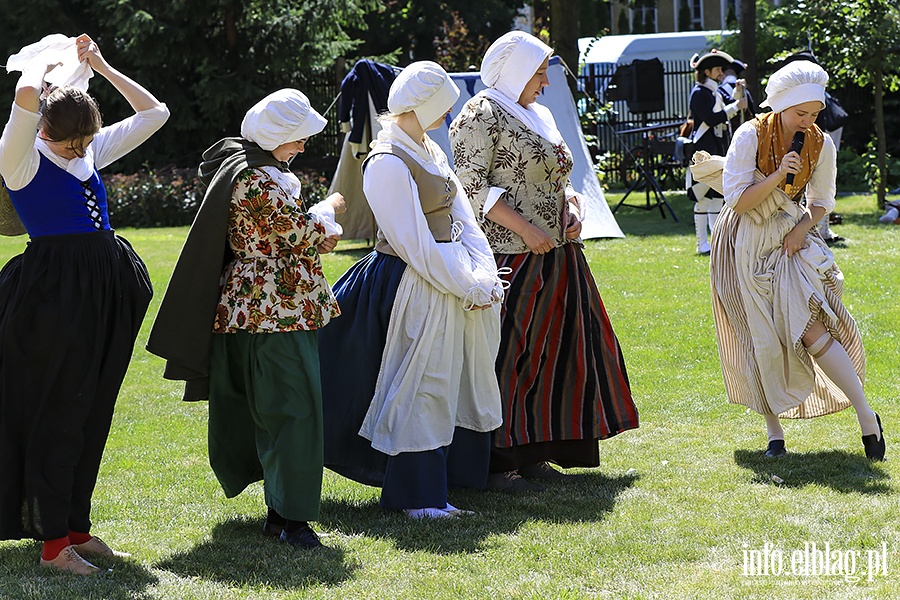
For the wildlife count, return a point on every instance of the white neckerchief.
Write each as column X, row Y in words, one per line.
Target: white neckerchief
column 80, row 167
column 536, row 117
column 712, row 85
column 433, row 160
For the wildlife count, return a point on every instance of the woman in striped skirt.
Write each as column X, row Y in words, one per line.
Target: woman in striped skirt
column 787, row 344
column 561, row 371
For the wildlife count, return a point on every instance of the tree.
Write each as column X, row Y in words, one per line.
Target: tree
column 624, row 25
column 748, row 45
column 858, row 42
column 428, row 29
column 685, row 22
column 564, row 27
column 209, row 60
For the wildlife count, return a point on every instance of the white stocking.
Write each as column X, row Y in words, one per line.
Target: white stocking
column 773, row 427
column 839, row 368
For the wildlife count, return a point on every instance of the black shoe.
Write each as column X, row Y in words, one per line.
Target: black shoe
column 835, row 239
column 272, row 529
column 874, row 447
column 776, row 449
column 512, row 483
column 304, row 537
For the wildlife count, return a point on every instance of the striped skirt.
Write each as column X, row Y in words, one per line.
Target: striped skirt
column 763, row 304
column 560, row 368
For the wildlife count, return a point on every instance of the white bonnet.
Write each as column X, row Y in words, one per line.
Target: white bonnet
column 511, row 61
column 425, row 88
column 795, row 83
column 281, row 117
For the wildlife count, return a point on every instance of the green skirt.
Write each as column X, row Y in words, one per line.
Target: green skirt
column 265, row 418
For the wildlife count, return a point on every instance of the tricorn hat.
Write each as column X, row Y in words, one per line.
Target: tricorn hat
column 713, row 58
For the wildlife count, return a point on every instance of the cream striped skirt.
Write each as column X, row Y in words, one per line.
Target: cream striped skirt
column 763, row 304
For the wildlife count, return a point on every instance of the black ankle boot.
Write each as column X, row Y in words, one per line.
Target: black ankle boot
column 874, row 447
column 776, row 449
column 274, row 524
column 300, row 535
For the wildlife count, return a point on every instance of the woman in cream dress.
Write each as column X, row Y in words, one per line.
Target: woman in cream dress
column 407, row 371
column 787, row 344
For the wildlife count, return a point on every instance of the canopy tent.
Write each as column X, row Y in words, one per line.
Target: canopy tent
column 598, row 219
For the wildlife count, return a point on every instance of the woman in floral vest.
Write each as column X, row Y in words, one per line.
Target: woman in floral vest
column 243, row 333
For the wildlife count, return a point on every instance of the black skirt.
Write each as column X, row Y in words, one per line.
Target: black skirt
column 71, row 307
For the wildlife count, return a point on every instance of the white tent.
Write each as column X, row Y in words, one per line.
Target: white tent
column 598, row 219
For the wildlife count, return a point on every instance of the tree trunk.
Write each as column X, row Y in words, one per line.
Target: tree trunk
column 748, row 47
column 881, row 185
column 564, row 34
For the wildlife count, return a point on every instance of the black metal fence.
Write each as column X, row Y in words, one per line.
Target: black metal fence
column 619, row 138
column 322, row 86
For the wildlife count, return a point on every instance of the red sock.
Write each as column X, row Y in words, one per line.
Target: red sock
column 79, row 538
column 52, row 548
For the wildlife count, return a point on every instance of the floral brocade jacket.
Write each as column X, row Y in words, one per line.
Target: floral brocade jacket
column 275, row 281
column 494, row 149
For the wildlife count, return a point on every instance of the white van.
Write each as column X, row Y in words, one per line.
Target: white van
column 604, row 53
column 622, row 49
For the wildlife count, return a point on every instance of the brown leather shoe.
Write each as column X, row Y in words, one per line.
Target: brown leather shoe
column 70, row 560
column 98, row 547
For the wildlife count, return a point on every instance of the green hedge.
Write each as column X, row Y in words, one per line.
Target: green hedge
column 170, row 197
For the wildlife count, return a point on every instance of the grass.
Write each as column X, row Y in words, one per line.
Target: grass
column 671, row 513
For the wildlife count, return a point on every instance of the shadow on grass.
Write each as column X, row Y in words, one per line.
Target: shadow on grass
column 22, row 577
column 635, row 220
column 836, row 469
column 239, row 554
column 589, row 499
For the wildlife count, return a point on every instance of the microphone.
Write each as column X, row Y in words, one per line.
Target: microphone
column 796, row 146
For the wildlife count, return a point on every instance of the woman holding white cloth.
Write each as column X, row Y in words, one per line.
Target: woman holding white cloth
column 787, row 344
column 408, row 368
column 72, row 303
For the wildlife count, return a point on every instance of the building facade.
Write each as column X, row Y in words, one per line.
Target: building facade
column 660, row 16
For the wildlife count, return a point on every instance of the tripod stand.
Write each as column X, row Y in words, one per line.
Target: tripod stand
column 644, row 165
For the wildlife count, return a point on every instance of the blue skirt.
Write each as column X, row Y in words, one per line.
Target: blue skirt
column 350, row 351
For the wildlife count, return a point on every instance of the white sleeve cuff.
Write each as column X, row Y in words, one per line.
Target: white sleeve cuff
column 324, row 212
column 493, row 195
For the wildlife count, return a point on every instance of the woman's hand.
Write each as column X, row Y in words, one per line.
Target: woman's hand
column 329, row 244
column 89, row 51
column 537, row 239
column 336, row 200
column 790, row 163
column 795, row 240
column 573, row 225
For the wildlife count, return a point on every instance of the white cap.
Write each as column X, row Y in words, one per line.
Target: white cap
column 511, row 61
column 795, row 83
column 281, row 117
column 425, row 88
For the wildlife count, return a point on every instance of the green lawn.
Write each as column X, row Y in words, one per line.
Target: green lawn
column 673, row 512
